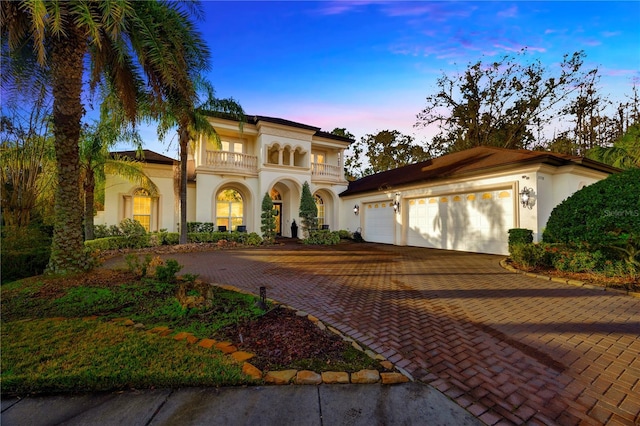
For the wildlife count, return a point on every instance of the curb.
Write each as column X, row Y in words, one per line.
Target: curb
column 576, row 283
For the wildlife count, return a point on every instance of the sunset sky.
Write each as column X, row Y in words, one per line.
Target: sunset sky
column 368, row 66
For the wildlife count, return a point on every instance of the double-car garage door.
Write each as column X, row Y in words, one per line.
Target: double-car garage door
column 476, row 221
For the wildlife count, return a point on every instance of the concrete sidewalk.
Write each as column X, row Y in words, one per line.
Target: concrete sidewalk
column 406, row 404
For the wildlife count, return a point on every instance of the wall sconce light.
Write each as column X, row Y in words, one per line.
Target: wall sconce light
column 356, row 209
column 526, row 197
column 396, row 203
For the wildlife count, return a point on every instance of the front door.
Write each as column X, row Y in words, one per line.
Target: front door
column 278, row 209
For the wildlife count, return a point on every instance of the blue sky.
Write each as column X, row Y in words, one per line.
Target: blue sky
column 368, row 66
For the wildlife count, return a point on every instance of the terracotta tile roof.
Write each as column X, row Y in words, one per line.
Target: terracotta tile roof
column 467, row 162
column 148, row 156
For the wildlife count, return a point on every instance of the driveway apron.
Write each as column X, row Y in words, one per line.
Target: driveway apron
column 511, row 349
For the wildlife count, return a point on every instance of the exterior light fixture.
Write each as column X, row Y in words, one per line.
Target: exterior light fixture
column 356, row 210
column 526, row 197
column 396, row 203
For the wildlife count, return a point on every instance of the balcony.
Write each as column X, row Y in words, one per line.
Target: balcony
column 326, row 172
column 224, row 161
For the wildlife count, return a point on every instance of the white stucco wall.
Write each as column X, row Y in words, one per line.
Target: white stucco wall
column 550, row 186
column 116, row 188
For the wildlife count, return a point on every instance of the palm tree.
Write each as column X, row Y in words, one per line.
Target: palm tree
column 190, row 116
column 129, row 43
column 96, row 161
column 624, row 153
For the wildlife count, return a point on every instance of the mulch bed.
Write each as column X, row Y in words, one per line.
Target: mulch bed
column 281, row 337
column 620, row 283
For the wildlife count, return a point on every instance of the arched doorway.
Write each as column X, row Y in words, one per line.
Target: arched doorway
column 321, row 210
column 277, row 206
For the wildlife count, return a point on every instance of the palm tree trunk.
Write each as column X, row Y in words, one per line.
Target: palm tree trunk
column 89, row 198
column 67, row 248
column 183, row 135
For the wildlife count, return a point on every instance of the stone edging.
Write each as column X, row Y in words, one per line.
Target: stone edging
column 576, row 283
column 284, row 377
column 306, row 377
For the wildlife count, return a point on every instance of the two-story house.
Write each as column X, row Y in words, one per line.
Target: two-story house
column 228, row 180
column 466, row 200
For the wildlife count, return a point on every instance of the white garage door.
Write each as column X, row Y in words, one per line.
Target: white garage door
column 475, row 222
column 379, row 222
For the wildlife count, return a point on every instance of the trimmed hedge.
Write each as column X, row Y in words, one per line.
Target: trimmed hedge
column 520, row 236
column 171, row 238
column 323, row 237
column 606, row 213
column 25, row 252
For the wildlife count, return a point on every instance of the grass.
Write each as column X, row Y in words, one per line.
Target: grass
column 47, row 346
column 48, row 355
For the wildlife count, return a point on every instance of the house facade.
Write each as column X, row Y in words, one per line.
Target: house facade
column 467, row 200
column 228, row 180
column 464, row 201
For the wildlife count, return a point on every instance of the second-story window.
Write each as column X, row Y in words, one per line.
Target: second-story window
column 232, row 147
column 317, row 157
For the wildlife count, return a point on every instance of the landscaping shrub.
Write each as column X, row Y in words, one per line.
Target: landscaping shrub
column 530, row 255
column 606, row 213
column 323, row 237
column 106, row 243
column 135, row 235
column 167, row 273
column 344, row 234
column 25, row 251
column 580, row 260
column 253, row 239
column 520, row 236
column 201, row 227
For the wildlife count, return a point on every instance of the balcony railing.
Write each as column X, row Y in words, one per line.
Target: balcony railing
column 324, row 171
column 232, row 161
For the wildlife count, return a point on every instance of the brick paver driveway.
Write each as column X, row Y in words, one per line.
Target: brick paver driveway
column 509, row 348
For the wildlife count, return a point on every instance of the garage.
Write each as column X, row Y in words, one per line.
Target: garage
column 475, row 221
column 379, row 222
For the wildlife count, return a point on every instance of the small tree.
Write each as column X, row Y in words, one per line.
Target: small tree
column 308, row 210
column 268, row 219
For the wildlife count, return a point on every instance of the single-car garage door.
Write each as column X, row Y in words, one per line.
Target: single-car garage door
column 379, row 222
column 476, row 221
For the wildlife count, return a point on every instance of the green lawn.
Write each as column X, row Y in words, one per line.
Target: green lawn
column 49, row 343
column 48, row 346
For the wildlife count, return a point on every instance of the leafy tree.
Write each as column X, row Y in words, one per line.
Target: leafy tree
column 308, row 210
column 128, row 43
column 342, row 131
column 268, row 219
column 386, row 150
column 27, row 156
column 499, row 104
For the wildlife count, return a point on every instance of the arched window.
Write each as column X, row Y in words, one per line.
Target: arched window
column 229, row 209
column 142, row 208
column 320, row 206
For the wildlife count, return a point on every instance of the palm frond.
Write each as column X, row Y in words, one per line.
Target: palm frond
column 132, row 171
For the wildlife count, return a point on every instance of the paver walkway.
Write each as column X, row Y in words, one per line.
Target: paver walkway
column 509, row 348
